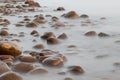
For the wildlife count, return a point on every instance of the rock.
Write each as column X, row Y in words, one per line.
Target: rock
column 52, row 40
column 84, row 16
column 38, row 46
column 68, row 78
column 71, row 14
column 39, row 20
column 35, row 33
column 47, row 35
column 4, row 57
column 31, row 24
column 60, row 9
column 58, row 24
column 19, row 24
column 101, row 34
column 4, row 33
column 54, row 18
column 11, row 76
column 91, row 33
column 54, row 60
column 38, row 71
column 32, row 3
column 9, row 48
column 62, row 36
column 23, row 67
column 72, row 46
column 76, row 69
column 3, row 67
column 28, row 59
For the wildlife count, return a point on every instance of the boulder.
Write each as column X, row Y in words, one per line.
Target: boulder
column 9, row 48
column 4, row 33
column 3, row 67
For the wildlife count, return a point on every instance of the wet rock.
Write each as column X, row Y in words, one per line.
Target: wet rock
column 3, row 67
column 11, row 76
column 54, row 60
column 31, row 24
column 9, row 48
column 32, row 3
column 58, row 24
column 39, row 20
column 76, row 69
column 84, row 16
column 4, row 33
column 28, row 59
column 19, row 24
column 68, row 78
column 23, row 67
column 4, row 57
column 91, row 33
column 38, row 71
column 101, row 34
column 47, row 35
column 35, row 33
column 62, row 36
column 52, row 40
column 54, row 18
column 72, row 46
column 60, row 9
column 71, row 14
column 38, row 46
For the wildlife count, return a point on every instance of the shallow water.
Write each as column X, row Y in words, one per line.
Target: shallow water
column 88, row 48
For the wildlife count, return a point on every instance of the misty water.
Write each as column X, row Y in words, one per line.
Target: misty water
column 89, row 50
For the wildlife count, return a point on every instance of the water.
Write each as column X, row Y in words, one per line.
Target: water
column 88, row 48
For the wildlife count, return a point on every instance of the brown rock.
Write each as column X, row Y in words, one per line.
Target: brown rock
column 38, row 71
column 54, row 18
column 32, row 24
column 58, row 24
column 19, row 24
column 68, row 78
column 4, row 32
column 28, row 59
column 35, row 33
column 52, row 40
column 38, row 46
column 3, row 67
column 23, row 67
column 11, row 76
column 32, row 3
column 91, row 33
column 62, row 36
column 9, row 48
column 76, row 69
column 47, row 35
column 71, row 14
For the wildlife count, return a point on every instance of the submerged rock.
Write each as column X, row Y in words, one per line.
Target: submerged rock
column 48, row 35
column 101, row 34
column 60, row 9
column 11, row 76
column 62, row 36
column 23, row 67
column 9, row 48
column 84, row 16
column 3, row 67
column 52, row 40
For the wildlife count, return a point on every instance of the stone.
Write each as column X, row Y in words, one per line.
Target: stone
column 23, row 67
column 54, row 18
column 52, row 40
column 32, row 3
column 47, row 35
column 60, row 9
column 3, row 67
column 28, row 59
column 4, row 33
column 38, row 71
column 84, row 16
column 34, row 32
column 71, row 14
column 91, row 33
column 68, row 78
column 62, row 36
column 31, row 24
column 38, row 46
column 58, row 24
column 76, row 69
column 101, row 34
column 9, row 48
column 11, row 76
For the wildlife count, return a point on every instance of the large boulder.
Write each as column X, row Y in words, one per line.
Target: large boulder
column 9, row 48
